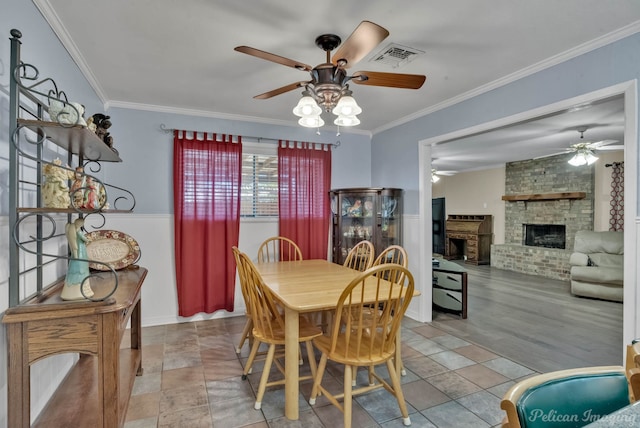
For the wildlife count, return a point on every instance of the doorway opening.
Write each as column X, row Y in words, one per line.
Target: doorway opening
column 628, row 92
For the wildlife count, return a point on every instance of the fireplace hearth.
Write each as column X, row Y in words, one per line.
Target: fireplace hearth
column 544, row 235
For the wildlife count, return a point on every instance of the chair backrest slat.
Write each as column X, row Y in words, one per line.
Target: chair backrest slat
column 361, row 256
column 278, row 249
column 393, row 254
column 368, row 332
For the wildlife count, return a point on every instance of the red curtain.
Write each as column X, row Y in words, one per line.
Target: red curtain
column 304, row 171
column 206, row 194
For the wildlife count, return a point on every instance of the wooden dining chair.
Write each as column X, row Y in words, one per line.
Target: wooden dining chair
column 269, row 326
column 274, row 249
column 361, row 256
column 632, row 369
column 398, row 255
column 366, row 341
column 278, row 249
column 392, row 254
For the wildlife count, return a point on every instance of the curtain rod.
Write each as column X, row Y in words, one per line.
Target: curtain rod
column 607, row 165
column 163, row 128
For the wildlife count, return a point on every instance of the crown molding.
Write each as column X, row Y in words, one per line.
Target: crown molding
column 218, row 115
column 582, row 49
column 55, row 23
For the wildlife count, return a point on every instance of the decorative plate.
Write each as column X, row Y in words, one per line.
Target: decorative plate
column 114, row 248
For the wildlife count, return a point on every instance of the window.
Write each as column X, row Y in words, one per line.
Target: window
column 259, row 190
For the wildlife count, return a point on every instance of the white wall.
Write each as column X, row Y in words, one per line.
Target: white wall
column 154, row 234
column 476, row 192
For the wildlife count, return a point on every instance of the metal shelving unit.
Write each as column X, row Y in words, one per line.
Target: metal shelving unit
column 39, row 323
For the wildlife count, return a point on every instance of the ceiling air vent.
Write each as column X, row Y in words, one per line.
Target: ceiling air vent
column 395, row 55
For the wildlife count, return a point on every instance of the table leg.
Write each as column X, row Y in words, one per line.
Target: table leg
column 291, row 363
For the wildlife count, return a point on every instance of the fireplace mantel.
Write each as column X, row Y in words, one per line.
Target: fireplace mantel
column 544, row 196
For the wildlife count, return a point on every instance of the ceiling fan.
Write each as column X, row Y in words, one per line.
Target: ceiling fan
column 584, row 151
column 328, row 87
column 436, row 174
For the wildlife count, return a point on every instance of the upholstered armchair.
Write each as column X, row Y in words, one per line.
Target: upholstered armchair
column 597, row 268
column 566, row 398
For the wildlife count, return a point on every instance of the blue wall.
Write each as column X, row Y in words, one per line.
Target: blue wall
column 147, row 152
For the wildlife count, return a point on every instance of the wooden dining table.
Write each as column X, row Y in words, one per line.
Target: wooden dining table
column 301, row 287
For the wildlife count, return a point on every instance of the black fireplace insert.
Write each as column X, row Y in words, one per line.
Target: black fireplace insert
column 545, row 235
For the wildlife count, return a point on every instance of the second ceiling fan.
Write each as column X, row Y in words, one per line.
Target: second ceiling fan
column 584, row 151
column 328, row 86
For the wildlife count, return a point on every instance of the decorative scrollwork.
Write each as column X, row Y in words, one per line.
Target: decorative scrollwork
column 102, row 275
column 15, row 138
column 66, row 113
column 126, row 198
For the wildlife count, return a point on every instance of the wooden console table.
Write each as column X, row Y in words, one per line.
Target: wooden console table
column 96, row 391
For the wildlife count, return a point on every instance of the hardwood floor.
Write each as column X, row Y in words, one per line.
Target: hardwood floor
column 536, row 321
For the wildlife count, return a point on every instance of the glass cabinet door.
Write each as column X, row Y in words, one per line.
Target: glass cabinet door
column 356, row 221
column 390, row 219
column 372, row 214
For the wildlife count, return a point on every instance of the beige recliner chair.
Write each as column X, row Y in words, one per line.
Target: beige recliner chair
column 597, row 268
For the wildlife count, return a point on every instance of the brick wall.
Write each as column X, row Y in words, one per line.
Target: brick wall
column 546, row 175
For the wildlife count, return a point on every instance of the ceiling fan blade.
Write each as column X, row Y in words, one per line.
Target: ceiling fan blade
column 610, row 148
column 364, row 38
column 273, row 58
column 392, row 80
column 282, row 90
column 553, row 154
column 598, row 145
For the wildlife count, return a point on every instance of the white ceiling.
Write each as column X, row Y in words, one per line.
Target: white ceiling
column 172, row 55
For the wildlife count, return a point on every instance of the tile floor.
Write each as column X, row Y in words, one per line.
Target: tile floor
column 192, row 379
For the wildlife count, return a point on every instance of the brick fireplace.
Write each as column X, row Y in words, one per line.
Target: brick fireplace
column 549, row 195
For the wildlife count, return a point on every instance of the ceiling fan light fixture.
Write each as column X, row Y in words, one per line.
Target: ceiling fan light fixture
column 583, row 157
column 311, row 121
column 347, row 106
column 591, row 158
column 347, row 121
column 434, row 176
column 331, row 98
column 307, row 107
column 577, row 160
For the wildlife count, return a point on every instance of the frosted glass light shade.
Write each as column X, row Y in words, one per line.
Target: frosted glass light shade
column 591, row 159
column 307, row 107
column 311, row 121
column 346, row 106
column 583, row 158
column 577, row 160
column 347, row 121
